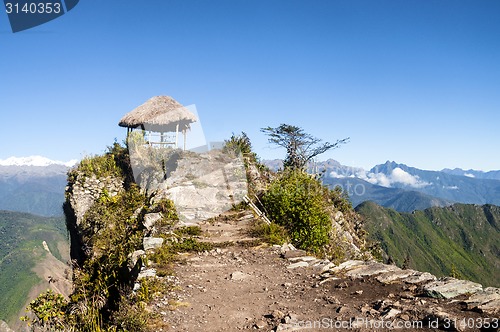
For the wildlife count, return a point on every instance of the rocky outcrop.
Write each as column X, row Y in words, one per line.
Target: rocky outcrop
column 346, row 236
column 275, row 288
column 84, row 191
column 203, row 186
column 487, row 300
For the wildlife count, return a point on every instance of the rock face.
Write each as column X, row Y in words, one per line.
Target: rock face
column 450, row 287
column 205, row 185
column 86, row 190
column 152, row 242
column 345, row 230
column 81, row 193
column 201, row 185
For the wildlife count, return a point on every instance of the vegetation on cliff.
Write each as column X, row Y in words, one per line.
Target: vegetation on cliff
column 301, row 208
column 108, row 233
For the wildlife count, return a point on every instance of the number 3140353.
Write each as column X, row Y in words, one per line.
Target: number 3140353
column 33, row 8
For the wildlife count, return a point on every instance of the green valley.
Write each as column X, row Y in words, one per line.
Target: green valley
column 462, row 240
column 21, row 238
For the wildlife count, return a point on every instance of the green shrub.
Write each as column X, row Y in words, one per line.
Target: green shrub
column 192, row 245
column 110, row 232
column 272, row 233
column 340, row 199
column 188, row 231
column 132, row 316
column 49, row 309
column 238, row 144
column 100, row 166
column 297, row 201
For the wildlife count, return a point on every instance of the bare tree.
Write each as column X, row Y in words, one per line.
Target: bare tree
column 300, row 147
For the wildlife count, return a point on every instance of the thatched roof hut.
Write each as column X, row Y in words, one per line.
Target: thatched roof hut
column 160, row 114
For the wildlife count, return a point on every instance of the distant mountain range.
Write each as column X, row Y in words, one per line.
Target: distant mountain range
column 493, row 175
column 461, row 240
column 33, row 184
column 405, row 188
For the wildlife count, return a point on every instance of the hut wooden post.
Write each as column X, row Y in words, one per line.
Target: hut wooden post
column 184, row 134
column 177, row 135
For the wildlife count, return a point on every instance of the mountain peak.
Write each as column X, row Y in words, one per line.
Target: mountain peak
column 35, row 161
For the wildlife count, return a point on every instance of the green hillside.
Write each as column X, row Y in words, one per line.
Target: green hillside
column 461, row 240
column 21, row 237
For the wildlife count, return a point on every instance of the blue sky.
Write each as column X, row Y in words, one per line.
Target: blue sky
column 417, row 82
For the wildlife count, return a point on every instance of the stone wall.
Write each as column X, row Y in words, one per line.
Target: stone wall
column 81, row 193
column 84, row 191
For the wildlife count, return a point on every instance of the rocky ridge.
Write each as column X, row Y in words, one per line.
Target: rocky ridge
column 280, row 288
column 241, row 286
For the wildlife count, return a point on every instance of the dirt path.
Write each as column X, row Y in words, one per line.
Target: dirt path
column 273, row 288
column 242, row 289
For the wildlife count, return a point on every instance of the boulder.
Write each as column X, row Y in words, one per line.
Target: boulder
column 238, row 276
column 297, row 265
column 360, row 269
column 487, row 301
column 447, row 288
column 147, row 273
column 152, row 242
column 151, row 219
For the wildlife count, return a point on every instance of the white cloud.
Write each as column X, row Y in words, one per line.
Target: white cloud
column 400, row 176
column 35, row 161
column 469, row 175
column 377, row 178
column 397, row 175
column 336, row 175
column 450, row 187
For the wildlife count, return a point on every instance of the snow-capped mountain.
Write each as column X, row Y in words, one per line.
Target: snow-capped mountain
column 35, row 161
column 33, row 184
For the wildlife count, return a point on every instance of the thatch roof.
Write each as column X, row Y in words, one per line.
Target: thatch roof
column 160, row 114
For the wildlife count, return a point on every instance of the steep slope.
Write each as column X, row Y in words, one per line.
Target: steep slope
column 23, row 256
column 460, row 239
